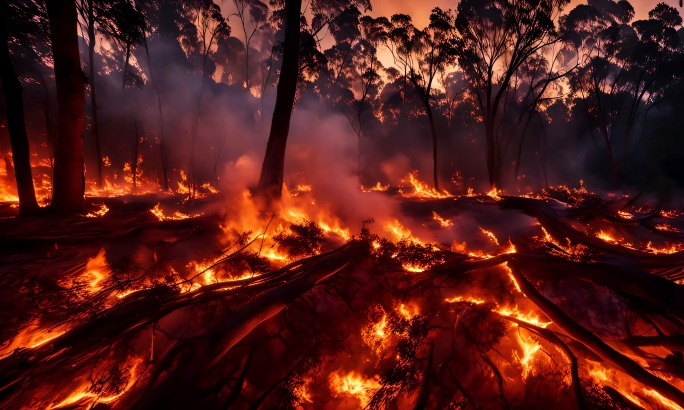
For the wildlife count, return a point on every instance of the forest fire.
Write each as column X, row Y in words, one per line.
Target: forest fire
column 286, row 205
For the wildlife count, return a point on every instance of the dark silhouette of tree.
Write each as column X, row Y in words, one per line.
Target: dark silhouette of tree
column 69, row 178
column 271, row 178
column 15, row 122
column 210, row 26
column 496, row 37
column 121, row 21
column 256, row 13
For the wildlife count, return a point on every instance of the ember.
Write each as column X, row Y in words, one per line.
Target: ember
column 341, row 205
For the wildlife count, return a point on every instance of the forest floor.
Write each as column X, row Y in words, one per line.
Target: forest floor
column 565, row 300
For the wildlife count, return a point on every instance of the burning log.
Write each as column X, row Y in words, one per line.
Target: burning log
column 594, row 343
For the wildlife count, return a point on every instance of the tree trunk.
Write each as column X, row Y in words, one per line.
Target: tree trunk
column 93, row 95
column 16, row 126
column 493, row 165
column 68, row 178
column 433, row 131
column 271, row 179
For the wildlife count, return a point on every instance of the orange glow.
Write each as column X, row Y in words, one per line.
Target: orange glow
column 96, row 271
column 100, row 212
column 353, row 385
column 378, row 187
column 490, row 235
column 82, row 392
column 412, row 187
column 177, row 215
column 444, row 223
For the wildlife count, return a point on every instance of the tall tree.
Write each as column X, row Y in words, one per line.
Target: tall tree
column 421, row 55
column 68, row 179
column 495, row 38
column 16, row 124
column 271, row 179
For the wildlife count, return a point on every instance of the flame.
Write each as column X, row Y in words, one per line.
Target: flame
column 378, row 187
column 669, row 248
column 606, row 237
column 444, row 223
column 469, row 299
column 666, row 228
column 408, row 311
column 31, row 336
column 494, row 194
column 490, row 235
column 83, row 393
column 529, row 349
column 177, row 215
column 529, row 317
column 419, row 189
column 100, row 212
column 354, row 385
column 96, row 271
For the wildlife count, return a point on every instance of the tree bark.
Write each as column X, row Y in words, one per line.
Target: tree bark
column 68, row 178
column 271, row 179
column 93, row 95
column 16, row 126
column 433, row 132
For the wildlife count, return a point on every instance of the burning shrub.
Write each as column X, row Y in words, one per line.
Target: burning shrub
column 305, row 239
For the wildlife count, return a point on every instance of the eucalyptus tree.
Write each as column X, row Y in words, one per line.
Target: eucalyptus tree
column 325, row 12
column 496, row 37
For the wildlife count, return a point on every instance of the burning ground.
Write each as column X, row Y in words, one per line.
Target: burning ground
column 561, row 300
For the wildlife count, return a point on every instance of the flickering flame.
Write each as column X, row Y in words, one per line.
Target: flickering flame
column 669, row 248
column 100, row 212
column 666, row 228
column 494, row 194
column 83, row 393
column 529, row 349
column 529, row 317
column 412, row 187
column 444, row 223
column 31, row 336
column 408, row 311
column 96, row 271
column 455, row 299
column 606, row 237
column 490, row 235
column 378, row 187
column 176, row 216
column 354, row 385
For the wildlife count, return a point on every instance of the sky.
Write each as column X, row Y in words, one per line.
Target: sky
column 419, row 10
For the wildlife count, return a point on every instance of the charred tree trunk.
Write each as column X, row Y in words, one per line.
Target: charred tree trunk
column 493, row 160
column 433, row 132
column 16, row 126
column 271, row 179
column 68, row 178
column 93, row 94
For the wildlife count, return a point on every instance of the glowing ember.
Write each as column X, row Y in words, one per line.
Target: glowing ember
column 490, row 235
column 378, row 187
column 177, row 215
column 353, row 385
column 472, row 300
column 83, row 394
column 96, row 271
column 100, row 212
column 444, row 223
column 528, row 317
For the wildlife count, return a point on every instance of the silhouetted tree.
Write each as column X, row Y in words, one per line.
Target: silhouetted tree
column 271, row 178
column 69, row 178
column 15, row 123
column 496, row 37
